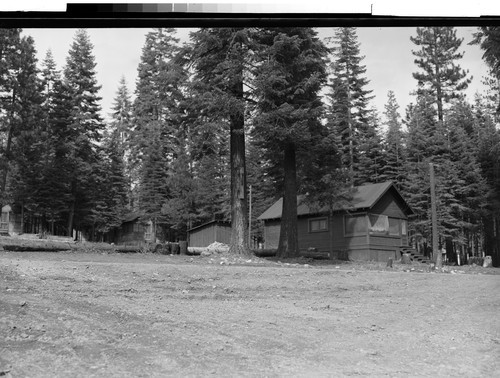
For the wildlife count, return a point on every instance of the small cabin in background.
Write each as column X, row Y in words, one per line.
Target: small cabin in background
column 132, row 231
column 208, row 233
column 372, row 226
column 11, row 222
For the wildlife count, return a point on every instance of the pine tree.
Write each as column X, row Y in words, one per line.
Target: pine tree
column 422, row 143
column 24, row 147
column 488, row 140
column 86, row 121
column 442, row 77
column 55, row 193
column 488, row 37
column 266, row 179
column 472, row 188
column 122, row 114
column 110, row 206
column 288, row 80
column 371, row 154
column 460, row 187
column 121, row 126
column 348, row 112
column 209, row 152
column 9, row 44
column 50, row 75
column 28, row 142
column 394, row 148
column 157, row 119
column 219, row 61
column 487, row 112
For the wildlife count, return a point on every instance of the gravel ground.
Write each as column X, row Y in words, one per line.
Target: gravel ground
column 74, row 314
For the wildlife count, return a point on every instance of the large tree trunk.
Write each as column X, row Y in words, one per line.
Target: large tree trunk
column 288, row 243
column 72, row 209
column 239, row 209
column 7, row 154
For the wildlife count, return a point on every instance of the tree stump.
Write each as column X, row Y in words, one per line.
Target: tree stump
column 488, row 262
column 405, row 258
column 183, row 247
column 175, row 249
column 168, row 248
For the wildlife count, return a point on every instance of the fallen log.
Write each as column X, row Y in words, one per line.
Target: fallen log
column 36, row 248
column 315, row 255
column 127, row 249
column 264, row 252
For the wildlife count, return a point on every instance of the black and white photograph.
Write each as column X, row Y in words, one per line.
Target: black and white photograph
column 188, row 194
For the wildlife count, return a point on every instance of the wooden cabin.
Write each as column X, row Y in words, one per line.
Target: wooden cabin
column 208, row 233
column 10, row 223
column 372, row 226
column 132, row 231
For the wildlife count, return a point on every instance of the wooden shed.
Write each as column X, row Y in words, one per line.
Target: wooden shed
column 132, row 231
column 10, row 223
column 208, row 233
column 373, row 226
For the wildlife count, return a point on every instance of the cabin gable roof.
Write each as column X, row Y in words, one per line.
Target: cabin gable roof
column 364, row 197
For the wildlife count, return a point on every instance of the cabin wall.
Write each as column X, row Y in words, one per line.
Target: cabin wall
column 15, row 226
column 363, row 246
column 372, row 253
column 223, row 234
column 11, row 223
column 131, row 233
column 204, row 236
column 388, row 205
column 272, row 234
column 319, row 239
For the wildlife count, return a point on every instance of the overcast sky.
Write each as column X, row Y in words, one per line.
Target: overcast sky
column 387, row 52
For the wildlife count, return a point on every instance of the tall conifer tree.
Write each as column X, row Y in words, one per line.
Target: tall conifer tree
column 85, row 120
column 122, row 126
column 394, row 147
column 219, row 59
column 288, row 80
column 348, row 111
column 442, row 77
column 156, row 122
column 28, row 139
column 9, row 44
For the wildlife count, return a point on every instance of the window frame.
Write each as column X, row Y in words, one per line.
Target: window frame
column 318, row 219
column 378, row 233
column 404, row 227
column 360, row 215
column 399, row 234
column 136, row 227
column 388, row 233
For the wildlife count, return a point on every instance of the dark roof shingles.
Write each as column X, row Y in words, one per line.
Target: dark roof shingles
column 364, row 197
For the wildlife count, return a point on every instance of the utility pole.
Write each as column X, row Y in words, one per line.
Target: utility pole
column 250, row 218
column 435, row 248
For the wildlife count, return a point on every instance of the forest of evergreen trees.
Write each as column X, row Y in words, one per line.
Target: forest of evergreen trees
column 274, row 108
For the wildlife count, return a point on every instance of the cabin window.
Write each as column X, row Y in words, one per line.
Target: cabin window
column 403, row 227
column 4, row 222
column 394, row 227
column 318, row 225
column 355, row 225
column 379, row 224
column 148, row 232
column 136, row 227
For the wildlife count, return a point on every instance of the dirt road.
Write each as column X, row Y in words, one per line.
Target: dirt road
column 118, row 315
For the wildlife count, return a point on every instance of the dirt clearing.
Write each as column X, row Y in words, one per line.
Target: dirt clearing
column 142, row 315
